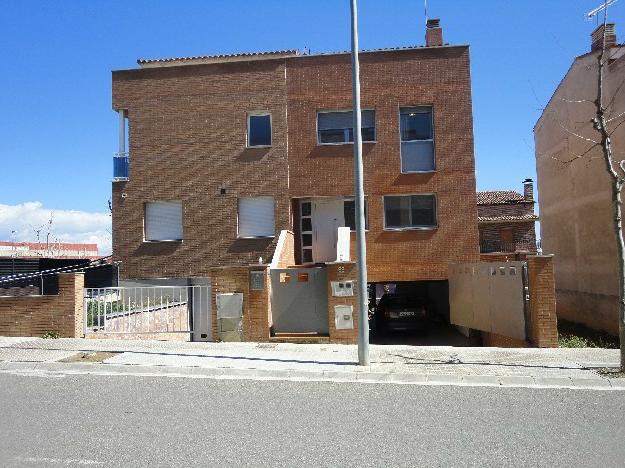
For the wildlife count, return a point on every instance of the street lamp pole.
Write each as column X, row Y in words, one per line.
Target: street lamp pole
column 361, row 249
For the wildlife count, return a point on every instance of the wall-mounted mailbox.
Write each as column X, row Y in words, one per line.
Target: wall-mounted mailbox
column 257, row 279
column 344, row 317
column 342, row 288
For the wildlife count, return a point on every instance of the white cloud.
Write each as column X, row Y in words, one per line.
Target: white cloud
column 67, row 225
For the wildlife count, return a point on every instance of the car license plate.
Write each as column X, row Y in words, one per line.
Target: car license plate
column 406, row 313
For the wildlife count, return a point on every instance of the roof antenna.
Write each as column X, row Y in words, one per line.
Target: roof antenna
column 425, row 5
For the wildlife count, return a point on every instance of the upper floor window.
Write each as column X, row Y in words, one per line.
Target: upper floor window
column 256, row 217
column 410, row 211
column 163, row 221
column 417, row 139
column 338, row 127
column 259, row 129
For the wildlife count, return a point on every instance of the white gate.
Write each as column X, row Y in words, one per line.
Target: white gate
column 162, row 312
column 491, row 297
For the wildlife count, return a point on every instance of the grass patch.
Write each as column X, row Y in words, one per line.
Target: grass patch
column 51, row 335
column 98, row 356
column 612, row 372
column 575, row 335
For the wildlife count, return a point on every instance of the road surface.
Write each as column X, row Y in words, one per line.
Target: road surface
column 122, row 420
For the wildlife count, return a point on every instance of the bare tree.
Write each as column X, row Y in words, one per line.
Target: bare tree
column 616, row 172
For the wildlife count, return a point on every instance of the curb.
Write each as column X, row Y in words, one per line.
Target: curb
column 56, row 370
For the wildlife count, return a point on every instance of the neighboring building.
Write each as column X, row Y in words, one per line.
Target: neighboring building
column 507, row 221
column 48, row 250
column 575, row 190
column 226, row 152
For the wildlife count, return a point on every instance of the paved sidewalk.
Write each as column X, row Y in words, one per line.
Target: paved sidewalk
column 568, row 368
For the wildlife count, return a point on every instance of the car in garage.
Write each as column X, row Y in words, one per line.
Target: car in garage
column 399, row 312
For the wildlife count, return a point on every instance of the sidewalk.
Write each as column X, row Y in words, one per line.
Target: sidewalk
column 523, row 367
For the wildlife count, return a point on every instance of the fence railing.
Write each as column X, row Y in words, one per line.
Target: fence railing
column 147, row 309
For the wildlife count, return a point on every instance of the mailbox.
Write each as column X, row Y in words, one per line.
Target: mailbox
column 344, row 317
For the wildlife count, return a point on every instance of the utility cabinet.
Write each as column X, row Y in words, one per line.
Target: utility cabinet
column 230, row 316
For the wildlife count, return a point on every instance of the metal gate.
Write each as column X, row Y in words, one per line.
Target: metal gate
column 172, row 312
column 299, row 300
column 491, row 297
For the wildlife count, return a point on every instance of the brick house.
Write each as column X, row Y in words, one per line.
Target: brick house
column 228, row 162
column 506, row 220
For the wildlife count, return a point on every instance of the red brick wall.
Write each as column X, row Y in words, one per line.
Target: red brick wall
column 37, row 315
column 437, row 77
column 187, row 133
column 543, row 317
column 256, row 303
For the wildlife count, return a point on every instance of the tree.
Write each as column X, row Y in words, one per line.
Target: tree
column 616, row 172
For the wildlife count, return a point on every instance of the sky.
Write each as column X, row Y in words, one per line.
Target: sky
column 58, row 132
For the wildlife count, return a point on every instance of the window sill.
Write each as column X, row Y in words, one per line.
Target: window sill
column 154, row 241
column 257, row 237
column 345, row 143
column 258, row 146
column 416, row 228
column 419, row 172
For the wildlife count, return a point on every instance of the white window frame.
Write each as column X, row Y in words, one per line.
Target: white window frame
column 273, row 201
column 375, row 127
column 411, row 228
column 401, row 162
column 145, row 206
column 247, row 133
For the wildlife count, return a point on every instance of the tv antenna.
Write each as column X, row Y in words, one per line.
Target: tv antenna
column 603, row 7
column 425, row 7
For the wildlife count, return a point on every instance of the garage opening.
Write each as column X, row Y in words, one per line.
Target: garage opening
column 414, row 313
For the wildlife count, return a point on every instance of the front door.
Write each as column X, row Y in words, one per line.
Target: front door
column 327, row 217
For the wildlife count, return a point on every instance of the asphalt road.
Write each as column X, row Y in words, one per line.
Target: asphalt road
column 88, row 420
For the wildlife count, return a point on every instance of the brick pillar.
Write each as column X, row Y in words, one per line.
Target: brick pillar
column 543, row 319
column 341, row 272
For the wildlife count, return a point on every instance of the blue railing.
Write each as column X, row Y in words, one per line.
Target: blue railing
column 120, row 167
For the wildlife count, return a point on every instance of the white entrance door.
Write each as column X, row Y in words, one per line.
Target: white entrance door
column 327, row 217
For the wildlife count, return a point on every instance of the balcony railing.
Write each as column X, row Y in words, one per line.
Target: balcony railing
column 120, row 167
column 508, row 247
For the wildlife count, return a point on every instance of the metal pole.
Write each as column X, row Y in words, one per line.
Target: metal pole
column 361, row 249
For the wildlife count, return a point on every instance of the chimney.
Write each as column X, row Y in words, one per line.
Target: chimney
column 596, row 37
column 528, row 190
column 433, row 33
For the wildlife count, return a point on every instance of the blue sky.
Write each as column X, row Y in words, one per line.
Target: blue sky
column 58, row 132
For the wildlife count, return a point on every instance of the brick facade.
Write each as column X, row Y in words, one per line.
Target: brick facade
column 187, row 132
column 37, row 315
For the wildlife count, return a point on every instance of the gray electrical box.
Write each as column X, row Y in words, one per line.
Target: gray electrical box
column 342, row 288
column 230, row 316
column 344, row 317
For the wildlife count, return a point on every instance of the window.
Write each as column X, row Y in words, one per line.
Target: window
column 338, row 127
column 417, row 139
column 256, row 217
column 349, row 213
column 306, row 230
column 163, row 221
column 410, row 212
column 258, row 130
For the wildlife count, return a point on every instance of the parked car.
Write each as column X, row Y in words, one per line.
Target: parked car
column 398, row 312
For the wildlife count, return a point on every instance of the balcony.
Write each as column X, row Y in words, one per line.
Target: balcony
column 493, row 246
column 120, row 167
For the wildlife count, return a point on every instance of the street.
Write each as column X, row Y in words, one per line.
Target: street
column 123, row 420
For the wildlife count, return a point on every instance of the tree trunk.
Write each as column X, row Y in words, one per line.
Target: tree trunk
column 618, row 226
